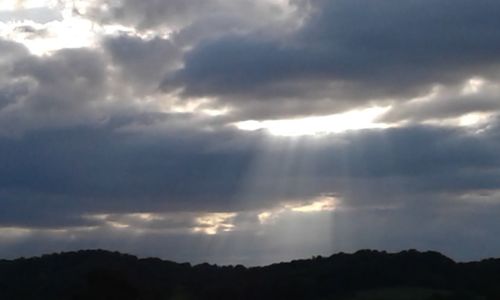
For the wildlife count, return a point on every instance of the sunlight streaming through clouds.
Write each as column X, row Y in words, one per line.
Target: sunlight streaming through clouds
column 337, row 123
column 321, row 204
column 214, row 223
column 324, row 203
column 250, row 129
column 72, row 31
column 473, row 85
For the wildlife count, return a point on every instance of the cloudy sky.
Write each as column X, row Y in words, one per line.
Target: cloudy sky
column 249, row 131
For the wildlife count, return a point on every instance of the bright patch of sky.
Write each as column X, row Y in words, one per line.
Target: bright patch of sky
column 45, row 26
column 319, row 125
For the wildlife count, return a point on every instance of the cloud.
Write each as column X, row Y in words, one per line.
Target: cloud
column 461, row 233
column 38, row 14
column 11, row 51
column 52, row 90
column 31, row 32
column 104, row 170
column 142, row 62
column 129, row 144
column 176, row 14
column 443, row 102
column 350, row 52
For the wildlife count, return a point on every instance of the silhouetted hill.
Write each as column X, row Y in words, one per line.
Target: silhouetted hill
column 97, row 274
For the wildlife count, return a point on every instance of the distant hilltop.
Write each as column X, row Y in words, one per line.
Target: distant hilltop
column 364, row 275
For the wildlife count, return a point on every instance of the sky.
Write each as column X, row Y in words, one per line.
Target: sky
column 249, row 131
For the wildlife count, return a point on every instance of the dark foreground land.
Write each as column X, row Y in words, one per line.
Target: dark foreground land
column 364, row 275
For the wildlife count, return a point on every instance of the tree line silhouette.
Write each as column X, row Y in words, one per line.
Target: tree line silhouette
column 104, row 275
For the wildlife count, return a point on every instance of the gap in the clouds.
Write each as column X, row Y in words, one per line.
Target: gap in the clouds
column 319, row 125
column 194, row 223
column 323, row 203
column 476, row 121
column 210, row 223
column 201, row 106
column 67, row 26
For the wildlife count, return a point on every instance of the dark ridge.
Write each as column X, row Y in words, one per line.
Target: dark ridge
column 364, row 275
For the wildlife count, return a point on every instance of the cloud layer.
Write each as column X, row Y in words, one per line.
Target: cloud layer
column 129, row 142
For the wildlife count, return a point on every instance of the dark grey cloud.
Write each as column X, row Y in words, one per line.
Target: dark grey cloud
column 357, row 50
column 176, row 14
column 10, row 91
column 341, row 57
column 107, row 170
column 11, row 51
column 67, row 87
column 420, row 187
column 186, row 23
column 143, row 62
column 447, row 102
column 149, row 14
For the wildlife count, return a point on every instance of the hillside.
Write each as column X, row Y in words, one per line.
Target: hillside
column 364, row 275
